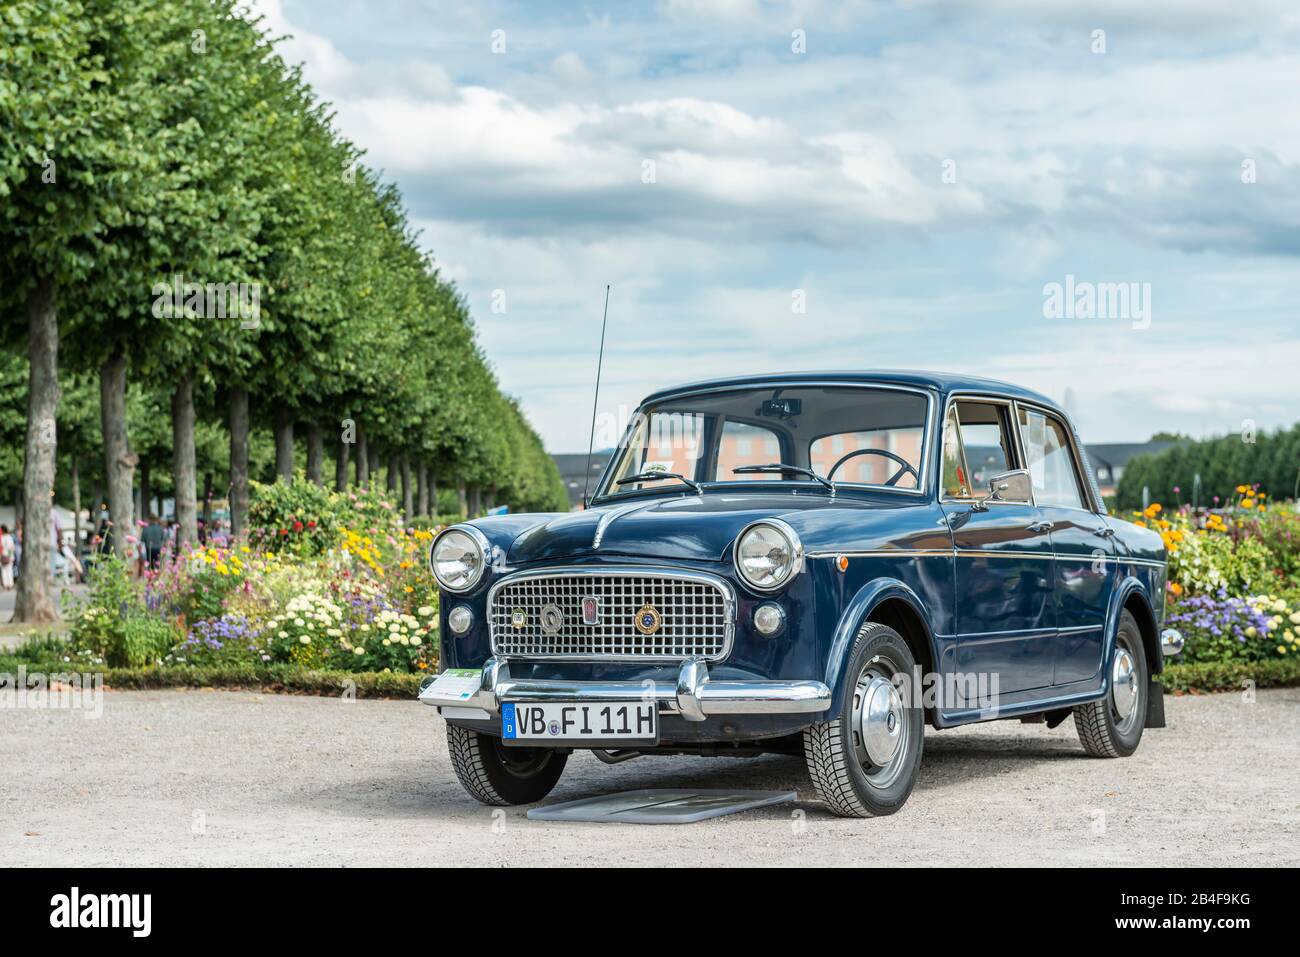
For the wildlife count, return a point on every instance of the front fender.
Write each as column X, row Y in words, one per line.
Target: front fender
column 859, row 608
column 1146, row 621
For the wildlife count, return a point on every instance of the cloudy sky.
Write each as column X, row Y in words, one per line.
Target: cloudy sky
column 911, row 175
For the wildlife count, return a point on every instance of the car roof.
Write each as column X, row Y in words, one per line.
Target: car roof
column 940, row 381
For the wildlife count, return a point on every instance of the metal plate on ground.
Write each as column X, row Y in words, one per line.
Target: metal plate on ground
column 659, row 806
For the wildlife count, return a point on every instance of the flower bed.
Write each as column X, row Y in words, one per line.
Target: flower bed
column 1232, row 589
column 329, row 581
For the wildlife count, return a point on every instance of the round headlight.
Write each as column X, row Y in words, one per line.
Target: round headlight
column 458, row 558
column 768, row 554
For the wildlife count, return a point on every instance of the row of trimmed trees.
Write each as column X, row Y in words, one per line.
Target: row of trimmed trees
column 184, row 232
column 1269, row 459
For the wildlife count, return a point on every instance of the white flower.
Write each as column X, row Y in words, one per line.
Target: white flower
column 333, row 632
column 299, row 622
column 425, row 610
column 305, row 639
column 284, row 634
column 358, row 650
column 386, row 642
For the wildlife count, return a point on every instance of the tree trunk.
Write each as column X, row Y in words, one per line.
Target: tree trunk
column 283, row 442
column 391, row 474
column 315, row 453
column 34, row 601
column 145, row 504
column 408, row 500
column 96, row 500
column 341, row 466
column 75, row 475
column 464, row 501
column 206, row 513
column 119, row 461
column 238, row 462
column 422, row 488
column 363, row 459
column 475, row 502
column 184, row 478
column 374, row 463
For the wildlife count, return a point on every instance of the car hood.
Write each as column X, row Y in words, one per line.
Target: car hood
column 690, row 528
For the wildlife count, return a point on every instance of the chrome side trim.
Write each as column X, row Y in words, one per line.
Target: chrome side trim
column 979, row 553
column 1171, row 642
column 694, row 695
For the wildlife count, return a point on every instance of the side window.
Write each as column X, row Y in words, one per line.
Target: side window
column 977, row 445
column 1051, row 465
column 743, row 444
column 956, row 480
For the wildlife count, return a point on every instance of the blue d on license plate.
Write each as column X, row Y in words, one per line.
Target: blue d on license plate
column 564, row 721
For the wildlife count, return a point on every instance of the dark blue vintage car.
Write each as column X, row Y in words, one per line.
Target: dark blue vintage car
column 814, row 564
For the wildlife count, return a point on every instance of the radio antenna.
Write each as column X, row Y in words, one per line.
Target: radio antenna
column 600, row 361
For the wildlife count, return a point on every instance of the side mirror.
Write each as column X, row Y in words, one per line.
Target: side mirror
column 1013, row 486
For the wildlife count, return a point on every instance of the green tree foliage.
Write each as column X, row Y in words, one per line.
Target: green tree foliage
column 1272, row 460
column 142, row 141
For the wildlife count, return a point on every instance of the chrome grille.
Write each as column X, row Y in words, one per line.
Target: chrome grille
column 696, row 616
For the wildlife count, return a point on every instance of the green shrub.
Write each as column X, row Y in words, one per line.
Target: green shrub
column 1210, row 676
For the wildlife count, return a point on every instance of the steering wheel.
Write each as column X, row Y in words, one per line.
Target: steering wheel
column 893, row 479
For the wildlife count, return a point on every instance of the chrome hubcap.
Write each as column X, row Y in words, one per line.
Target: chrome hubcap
column 882, row 720
column 1123, row 684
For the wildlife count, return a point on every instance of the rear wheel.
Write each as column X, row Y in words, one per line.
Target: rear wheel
column 1112, row 727
column 865, row 761
column 498, row 775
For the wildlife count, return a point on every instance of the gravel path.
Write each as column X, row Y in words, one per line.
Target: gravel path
column 235, row 778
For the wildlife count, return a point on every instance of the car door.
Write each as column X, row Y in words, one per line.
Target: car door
column 1082, row 541
column 1005, row 610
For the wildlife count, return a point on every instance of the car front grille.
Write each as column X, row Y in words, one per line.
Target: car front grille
column 541, row 616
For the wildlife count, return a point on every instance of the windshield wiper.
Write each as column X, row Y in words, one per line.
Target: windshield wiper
column 657, row 476
column 783, row 467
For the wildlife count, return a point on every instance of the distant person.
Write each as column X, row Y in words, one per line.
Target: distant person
column 152, row 539
column 203, row 532
column 7, row 558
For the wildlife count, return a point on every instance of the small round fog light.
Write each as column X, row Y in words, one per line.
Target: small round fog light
column 460, row 618
column 768, row 619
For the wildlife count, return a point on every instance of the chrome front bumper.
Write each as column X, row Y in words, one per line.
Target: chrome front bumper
column 1171, row 642
column 694, row 696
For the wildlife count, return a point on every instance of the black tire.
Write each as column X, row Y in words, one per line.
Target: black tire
column 842, row 772
column 1106, row 733
column 501, row 776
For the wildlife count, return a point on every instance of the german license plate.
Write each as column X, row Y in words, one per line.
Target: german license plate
column 563, row 721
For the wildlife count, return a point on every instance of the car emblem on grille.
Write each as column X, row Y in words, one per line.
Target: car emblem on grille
column 519, row 617
column 648, row 619
column 591, row 610
column 552, row 619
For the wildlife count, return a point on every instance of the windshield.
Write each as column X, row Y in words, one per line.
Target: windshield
column 850, row 435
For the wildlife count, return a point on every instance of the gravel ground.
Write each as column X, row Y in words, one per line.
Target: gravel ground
column 235, row 778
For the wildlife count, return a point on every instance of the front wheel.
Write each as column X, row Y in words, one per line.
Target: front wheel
column 1112, row 727
column 498, row 775
column 864, row 762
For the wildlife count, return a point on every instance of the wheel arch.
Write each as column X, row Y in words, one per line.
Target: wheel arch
column 1132, row 596
column 889, row 602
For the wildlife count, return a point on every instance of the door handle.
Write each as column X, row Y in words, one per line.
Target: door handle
column 1041, row 527
column 1105, row 531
